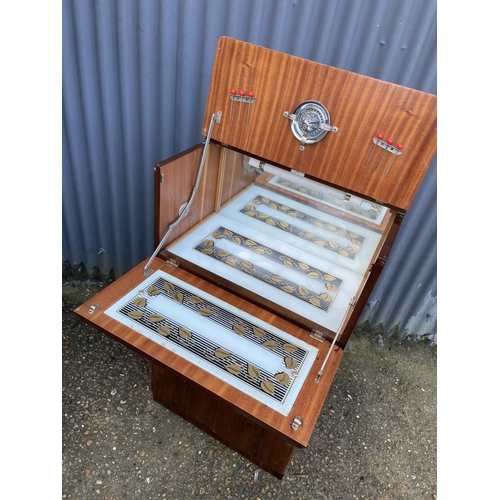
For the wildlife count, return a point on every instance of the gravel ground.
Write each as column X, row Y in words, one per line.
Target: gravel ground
column 375, row 438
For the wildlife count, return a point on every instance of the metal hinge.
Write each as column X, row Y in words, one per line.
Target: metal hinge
column 162, row 177
column 317, row 335
column 297, row 422
column 173, row 264
column 93, row 308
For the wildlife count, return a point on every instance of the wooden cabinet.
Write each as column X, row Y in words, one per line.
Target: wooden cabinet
column 269, row 237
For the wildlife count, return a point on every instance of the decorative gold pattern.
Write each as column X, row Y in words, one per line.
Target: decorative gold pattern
column 184, row 333
column 269, row 344
column 205, row 311
column 233, row 368
column 163, row 330
column 239, row 329
column 352, row 241
column 268, row 386
column 289, row 348
column 135, row 314
column 322, row 300
column 283, row 378
column 221, row 353
column 140, row 302
column 253, row 371
column 156, row 318
column 140, row 310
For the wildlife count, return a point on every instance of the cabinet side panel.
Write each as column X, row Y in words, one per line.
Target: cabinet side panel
column 174, row 182
column 221, row 420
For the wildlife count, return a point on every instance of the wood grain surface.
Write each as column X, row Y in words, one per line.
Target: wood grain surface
column 175, row 179
column 267, row 449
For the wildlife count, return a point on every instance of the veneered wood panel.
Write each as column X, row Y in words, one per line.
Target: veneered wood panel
column 174, row 182
column 221, row 420
column 358, row 105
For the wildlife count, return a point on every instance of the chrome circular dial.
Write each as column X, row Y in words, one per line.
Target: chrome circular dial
column 307, row 127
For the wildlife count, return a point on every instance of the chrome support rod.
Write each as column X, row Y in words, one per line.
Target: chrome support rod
column 216, row 117
column 320, row 373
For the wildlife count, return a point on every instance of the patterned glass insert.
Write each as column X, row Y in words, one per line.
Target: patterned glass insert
column 262, row 361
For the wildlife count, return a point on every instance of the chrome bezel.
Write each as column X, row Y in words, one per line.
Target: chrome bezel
column 305, row 111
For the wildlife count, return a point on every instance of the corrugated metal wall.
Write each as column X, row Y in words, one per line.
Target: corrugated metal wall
column 135, row 83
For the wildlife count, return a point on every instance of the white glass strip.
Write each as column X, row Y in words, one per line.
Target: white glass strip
column 273, row 268
column 223, row 337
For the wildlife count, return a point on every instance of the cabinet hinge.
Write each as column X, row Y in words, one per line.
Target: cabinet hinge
column 296, row 422
column 317, row 335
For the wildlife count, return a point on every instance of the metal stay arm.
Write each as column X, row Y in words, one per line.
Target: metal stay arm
column 216, row 117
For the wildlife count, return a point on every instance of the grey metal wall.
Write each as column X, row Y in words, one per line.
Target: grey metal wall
column 135, row 83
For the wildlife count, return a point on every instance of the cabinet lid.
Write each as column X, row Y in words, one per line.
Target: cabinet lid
column 370, row 137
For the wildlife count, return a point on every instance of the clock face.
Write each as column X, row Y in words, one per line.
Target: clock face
column 310, row 116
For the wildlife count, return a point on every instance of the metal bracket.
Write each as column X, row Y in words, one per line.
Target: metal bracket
column 93, row 308
column 310, row 122
column 317, row 335
column 173, row 264
column 297, row 422
column 329, row 128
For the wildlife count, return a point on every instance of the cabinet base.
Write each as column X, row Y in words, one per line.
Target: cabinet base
column 223, row 421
